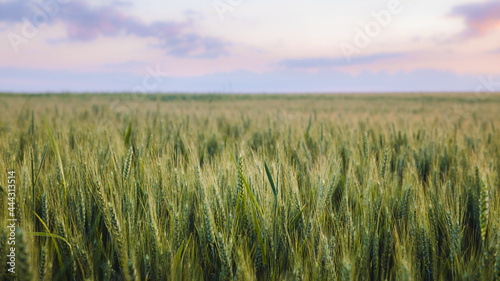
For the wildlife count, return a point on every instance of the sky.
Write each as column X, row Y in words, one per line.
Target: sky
column 249, row 46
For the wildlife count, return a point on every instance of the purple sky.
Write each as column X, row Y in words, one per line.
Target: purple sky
column 249, row 46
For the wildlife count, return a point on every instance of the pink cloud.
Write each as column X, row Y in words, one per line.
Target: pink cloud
column 480, row 18
column 85, row 23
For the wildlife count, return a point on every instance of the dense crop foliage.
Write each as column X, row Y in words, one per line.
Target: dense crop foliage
column 253, row 188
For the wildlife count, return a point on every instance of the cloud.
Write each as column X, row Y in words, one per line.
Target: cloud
column 480, row 18
column 335, row 62
column 131, row 64
column 284, row 81
column 13, row 11
column 85, row 23
column 122, row 3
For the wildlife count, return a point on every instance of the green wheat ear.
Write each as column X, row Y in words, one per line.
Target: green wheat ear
column 375, row 255
column 177, row 232
column 127, row 165
column 42, row 266
column 65, row 249
column 384, row 164
column 484, row 214
column 426, row 261
column 226, row 271
column 496, row 268
column 45, row 210
column 117, row 234
column 23, row 260
column 365, row 145
column 147, row 268
column 83, row 262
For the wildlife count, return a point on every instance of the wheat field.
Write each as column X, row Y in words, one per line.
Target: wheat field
column 242, row 187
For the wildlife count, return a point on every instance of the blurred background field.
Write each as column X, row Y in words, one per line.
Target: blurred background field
column 437, row 106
